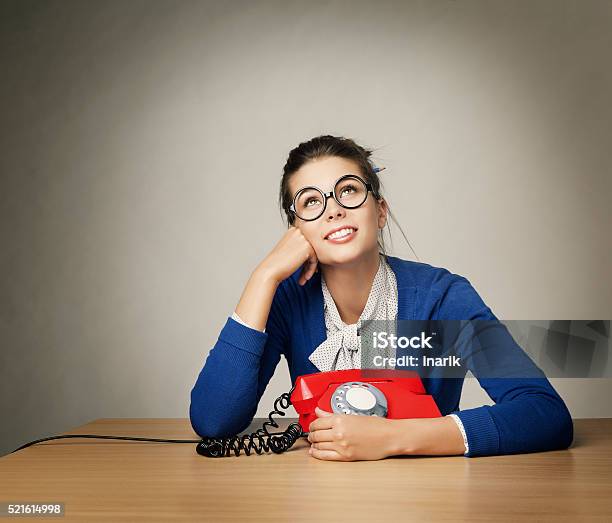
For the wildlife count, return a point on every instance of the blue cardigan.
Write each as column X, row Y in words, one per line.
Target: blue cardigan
column 528, row 415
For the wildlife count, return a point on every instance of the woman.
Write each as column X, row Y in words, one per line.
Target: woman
column 305, row 300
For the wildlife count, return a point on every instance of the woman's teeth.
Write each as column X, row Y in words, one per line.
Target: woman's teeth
column 340, row 234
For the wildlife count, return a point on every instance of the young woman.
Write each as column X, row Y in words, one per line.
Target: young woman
column 305, row 300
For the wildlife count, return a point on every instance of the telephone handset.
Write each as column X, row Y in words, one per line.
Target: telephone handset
column 393, row 394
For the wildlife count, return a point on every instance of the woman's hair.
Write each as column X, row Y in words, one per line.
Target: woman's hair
column 326, row 146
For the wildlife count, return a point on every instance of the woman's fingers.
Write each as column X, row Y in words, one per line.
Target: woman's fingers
column 329, row 455
column 304, row 276
column 310, row 267
column 319, row 436
column 325, row 445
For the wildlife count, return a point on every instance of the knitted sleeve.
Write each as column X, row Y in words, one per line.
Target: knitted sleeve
column 528, row 415
column 236, row 317
column 236, row 372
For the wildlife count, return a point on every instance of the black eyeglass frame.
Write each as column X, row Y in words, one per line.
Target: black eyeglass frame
column 331, row 194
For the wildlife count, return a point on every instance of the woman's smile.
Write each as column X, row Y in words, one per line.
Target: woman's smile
column 342, row 236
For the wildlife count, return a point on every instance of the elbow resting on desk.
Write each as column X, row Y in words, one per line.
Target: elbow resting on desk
column 564, row 425
column 541, row 422
column 214, row 421
column 560, row 423
column 214, row 425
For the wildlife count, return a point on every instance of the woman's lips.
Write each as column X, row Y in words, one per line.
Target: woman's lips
column 344, row 239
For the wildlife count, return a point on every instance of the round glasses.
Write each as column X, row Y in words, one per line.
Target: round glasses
column 350, row 191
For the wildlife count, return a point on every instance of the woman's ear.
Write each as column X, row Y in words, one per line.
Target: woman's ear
column 382, row 210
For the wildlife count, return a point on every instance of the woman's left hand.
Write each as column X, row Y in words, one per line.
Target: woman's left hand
column 344, row 437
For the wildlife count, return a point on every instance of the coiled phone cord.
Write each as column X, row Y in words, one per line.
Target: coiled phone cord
column 260, row 441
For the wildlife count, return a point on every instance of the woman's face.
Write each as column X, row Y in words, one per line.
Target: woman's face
column 365, row 221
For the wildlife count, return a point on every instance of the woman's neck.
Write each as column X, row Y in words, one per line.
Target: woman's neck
column 350, row 285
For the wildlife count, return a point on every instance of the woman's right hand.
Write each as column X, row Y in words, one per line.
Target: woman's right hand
column 292, row 251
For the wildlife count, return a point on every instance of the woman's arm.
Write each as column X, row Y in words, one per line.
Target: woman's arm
column 256, row 300
column 426, row 436
column 239, row 366
column 342, row 437
column 528, row 414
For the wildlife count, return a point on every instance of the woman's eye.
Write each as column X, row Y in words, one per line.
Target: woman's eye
column 349, row 188
column 311, row 200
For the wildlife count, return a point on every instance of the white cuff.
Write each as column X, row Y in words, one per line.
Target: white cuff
column 239, row 320
column 462, row 429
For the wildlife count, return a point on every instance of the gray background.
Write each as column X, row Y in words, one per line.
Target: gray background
column 141, row 149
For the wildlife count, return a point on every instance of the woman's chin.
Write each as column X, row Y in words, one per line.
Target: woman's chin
column 341, row 254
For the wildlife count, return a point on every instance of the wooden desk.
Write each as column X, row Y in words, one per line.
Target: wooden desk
column 140, row 481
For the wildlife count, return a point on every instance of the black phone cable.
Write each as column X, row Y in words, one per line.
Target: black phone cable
column 259, row 441
column 218, row 447
column 95, row 436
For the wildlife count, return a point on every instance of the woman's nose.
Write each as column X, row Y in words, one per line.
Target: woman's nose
column 334, row 210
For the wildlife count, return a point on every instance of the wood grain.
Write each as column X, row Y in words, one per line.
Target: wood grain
column 141, row 481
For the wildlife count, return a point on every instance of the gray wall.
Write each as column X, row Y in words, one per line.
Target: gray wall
column 141, row 148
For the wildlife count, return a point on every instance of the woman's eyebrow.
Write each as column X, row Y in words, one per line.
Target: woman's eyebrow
column 332, row 187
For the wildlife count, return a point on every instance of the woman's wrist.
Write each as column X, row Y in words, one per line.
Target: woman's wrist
column 256, row 300
column 425, row 436
column 265, row 275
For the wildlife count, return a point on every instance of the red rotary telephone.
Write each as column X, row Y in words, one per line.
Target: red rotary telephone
column 386, row 393
column 363, row 392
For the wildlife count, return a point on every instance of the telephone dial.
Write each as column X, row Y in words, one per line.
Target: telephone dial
column 394, row 394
